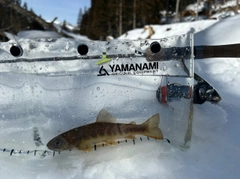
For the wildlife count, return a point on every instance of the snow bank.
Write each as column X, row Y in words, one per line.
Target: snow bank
column 161, row 31
column 36, row 34
column 224, row 32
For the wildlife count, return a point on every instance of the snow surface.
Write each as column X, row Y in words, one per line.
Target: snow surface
column 215, row 146
column 168, row 30
column 33, row 34
column 195, row 7
column 228, row 4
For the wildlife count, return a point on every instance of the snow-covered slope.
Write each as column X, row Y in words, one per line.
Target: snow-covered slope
column 161, row 31
column 224, row 32
column 215, row 146
column 34, row 34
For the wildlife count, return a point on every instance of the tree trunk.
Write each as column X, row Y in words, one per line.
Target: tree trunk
column 177, row 10
column 134, row 14
column 237, row 5
column 120, row 17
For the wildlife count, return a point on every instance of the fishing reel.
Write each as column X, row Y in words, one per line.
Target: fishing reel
column 203, row 92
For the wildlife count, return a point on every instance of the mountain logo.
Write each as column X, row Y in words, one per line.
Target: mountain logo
column 102, row 72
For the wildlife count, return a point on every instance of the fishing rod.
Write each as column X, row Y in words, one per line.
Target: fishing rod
column 217, row 51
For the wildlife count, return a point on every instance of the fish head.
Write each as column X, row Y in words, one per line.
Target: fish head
column 58, row 143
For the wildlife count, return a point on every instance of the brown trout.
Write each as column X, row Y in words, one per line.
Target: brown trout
column 104, row 131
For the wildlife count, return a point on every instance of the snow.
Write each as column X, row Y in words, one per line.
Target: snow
column 68, row 25
column 225, row 32
column 221, row 10
column 196, row 7
column 76, row 36
column 228, row 4
column 215, row 145
column 168, row 30
column 34, row 34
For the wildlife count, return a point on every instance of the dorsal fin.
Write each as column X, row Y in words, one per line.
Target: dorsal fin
column 133, row 122
column 105, row 116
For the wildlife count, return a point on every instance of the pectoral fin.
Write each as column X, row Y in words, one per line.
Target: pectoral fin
column 85, row 147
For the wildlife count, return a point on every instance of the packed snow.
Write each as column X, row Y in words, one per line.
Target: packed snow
column 215, row 147
column 161, row 31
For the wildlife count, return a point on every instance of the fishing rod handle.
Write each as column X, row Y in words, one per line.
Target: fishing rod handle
column 231, row 51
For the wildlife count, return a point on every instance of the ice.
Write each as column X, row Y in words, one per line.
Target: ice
column 215, row 145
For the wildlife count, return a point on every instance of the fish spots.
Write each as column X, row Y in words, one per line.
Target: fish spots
column 93, row 134
column 126, row 130
column 114, row 131
column 119, row 129
column 109, row 131
column 101, row 133
column 133, row 129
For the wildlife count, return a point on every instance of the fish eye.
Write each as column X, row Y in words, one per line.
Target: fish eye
column 58, row 142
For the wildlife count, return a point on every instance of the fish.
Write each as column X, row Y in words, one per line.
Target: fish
column 104, row 131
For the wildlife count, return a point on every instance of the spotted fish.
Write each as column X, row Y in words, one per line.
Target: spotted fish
column 104, row 131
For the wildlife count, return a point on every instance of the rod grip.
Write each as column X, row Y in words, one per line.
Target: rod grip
column 230, row 51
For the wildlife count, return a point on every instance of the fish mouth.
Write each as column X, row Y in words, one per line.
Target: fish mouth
column 52, row 148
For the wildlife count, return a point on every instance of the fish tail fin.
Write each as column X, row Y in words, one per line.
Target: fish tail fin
column 153, row 130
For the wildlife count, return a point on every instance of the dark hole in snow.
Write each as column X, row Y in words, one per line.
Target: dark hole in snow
column 83, row 49
column 155, row 47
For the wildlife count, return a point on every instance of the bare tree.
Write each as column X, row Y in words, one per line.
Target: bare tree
column 120, row 17
column 237, row 4
column 177, row 10
column 198, row 3
column 134, row 14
